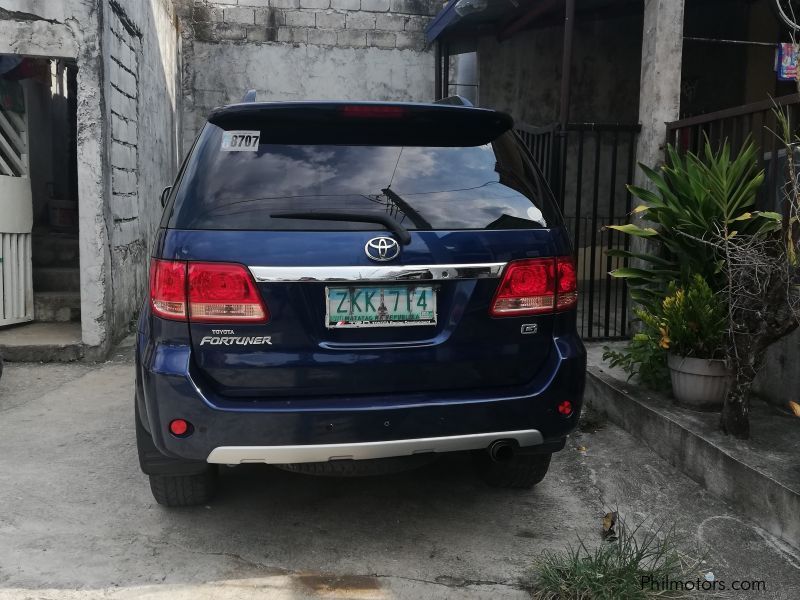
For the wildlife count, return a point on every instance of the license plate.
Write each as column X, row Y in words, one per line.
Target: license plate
column 378, row 306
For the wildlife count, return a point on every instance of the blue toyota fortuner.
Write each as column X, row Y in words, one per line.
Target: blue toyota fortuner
column 351, row 288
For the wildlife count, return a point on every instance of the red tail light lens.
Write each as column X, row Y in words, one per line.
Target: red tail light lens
column 205, row 292
column 536, row 286
column 168, row 289
column 567, row 296
column 220, row 292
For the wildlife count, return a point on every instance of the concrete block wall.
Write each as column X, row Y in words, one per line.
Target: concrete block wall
column 124, row 51
column 128, row 111
column 303, row 49
column 141, row 55
column 779, row 380
column 337, row 23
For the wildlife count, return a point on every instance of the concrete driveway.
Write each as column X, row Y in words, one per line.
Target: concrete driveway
column 77, row 519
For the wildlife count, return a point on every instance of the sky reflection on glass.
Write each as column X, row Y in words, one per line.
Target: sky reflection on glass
column 448, row 188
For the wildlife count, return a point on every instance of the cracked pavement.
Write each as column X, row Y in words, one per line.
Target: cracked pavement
column 77, row 519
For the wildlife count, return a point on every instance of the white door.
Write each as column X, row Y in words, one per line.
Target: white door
column 16, row 219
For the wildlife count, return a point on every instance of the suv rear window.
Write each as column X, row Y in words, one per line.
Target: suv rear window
column 489, row 186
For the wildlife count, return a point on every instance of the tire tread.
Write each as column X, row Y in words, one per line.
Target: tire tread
column 184, row 490
column 522, row 471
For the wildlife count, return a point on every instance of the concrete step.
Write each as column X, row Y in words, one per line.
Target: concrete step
column 55, row 250
column 759, row 477
column 57, row 307
column 41, row 342
column 56, row 279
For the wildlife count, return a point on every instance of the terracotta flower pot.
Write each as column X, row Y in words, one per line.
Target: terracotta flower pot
column 699, row 383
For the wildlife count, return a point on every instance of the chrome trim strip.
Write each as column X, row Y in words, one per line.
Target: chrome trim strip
column 378, row 273
column 234, row 455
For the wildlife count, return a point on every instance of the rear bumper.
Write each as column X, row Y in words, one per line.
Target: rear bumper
column 312, row 430
column 278, row 455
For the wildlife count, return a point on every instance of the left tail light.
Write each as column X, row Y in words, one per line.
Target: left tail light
column 168, row 289
column 205, row 292
column 536, row 286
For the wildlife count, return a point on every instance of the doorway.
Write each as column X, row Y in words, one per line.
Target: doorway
column 39, row 191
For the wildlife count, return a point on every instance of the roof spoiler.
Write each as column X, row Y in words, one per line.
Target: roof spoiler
column 454, row 101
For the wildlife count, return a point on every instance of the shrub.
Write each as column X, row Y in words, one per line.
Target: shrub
column 690, row 321
column 694, row 321
column 694, row 197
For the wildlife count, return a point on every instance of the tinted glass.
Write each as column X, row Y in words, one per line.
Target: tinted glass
column 423, row 187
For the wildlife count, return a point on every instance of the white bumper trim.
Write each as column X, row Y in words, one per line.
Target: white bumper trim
column 234, row 455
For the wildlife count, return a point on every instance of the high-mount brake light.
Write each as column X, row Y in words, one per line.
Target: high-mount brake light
column 168, row 289
column 223, row 292
column 205, row 292
column 370, row 111
column 536, row 286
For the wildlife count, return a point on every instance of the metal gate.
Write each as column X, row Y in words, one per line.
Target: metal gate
column 16, row 215
column 588, row 166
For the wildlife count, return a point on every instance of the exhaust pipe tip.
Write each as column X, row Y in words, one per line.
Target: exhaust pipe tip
column 501, row 451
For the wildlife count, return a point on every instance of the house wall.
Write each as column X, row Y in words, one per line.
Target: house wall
column 127, row 149
column 142, row 67
column 779, row 380
column 522, row 75
column 303, row 49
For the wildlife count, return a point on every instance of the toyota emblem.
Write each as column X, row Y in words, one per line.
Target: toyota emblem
column 382, row 249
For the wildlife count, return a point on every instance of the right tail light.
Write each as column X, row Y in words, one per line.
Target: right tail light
column 536, row 286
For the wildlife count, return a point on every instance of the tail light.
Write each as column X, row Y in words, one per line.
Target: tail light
column 220, row 292
column 168, row 289
column 205, row 292
column 567, row 283
column 536, row 286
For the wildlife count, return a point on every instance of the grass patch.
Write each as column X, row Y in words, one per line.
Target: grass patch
column 615, row 569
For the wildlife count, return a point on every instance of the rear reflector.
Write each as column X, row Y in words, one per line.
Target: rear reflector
column 179, row 428
column 168, row 289
column 220, row 292
column 565, row 408
column 536, row 286
column 205, row 292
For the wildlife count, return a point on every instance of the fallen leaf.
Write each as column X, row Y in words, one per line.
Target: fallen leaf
column 581, row 448
column 609, row 522
column 795, row 408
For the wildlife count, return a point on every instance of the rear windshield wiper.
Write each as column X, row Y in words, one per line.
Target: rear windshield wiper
column 385, row 220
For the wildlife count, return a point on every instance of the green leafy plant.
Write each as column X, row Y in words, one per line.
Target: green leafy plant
column 693, row 199
column 690, row 321
column 644, row 354
column 620, row 568
column 694, row 321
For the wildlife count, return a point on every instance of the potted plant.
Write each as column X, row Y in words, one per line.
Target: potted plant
column 693, row 324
